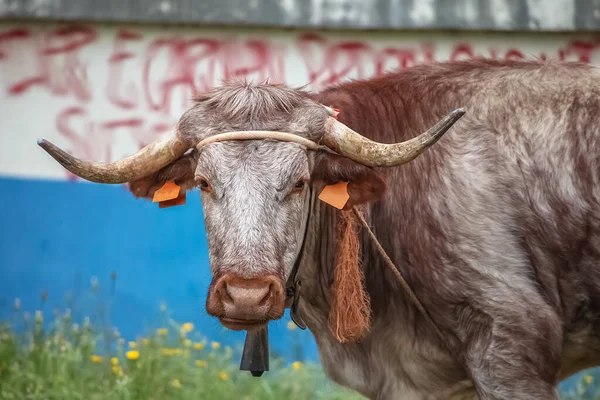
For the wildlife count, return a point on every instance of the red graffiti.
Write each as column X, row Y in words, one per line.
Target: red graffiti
column 582, row 49
column 121, row 94
column 181, row 71
column 328, row 63
column 463, row 51
column 11, row 35
column 149, row 82
column 575, row 50
column 59, row 67
column 194, row 65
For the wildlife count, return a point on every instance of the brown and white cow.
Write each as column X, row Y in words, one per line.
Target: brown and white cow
column 496, row 227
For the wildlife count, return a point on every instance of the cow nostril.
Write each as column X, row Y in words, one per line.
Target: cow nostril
column 223, row 292
column 267, row 297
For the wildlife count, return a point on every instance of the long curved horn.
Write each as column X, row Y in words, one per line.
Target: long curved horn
column 148, row 160
column 346, row 142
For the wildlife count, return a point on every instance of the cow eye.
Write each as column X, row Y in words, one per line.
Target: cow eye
column 204, row 185
column 300, row 184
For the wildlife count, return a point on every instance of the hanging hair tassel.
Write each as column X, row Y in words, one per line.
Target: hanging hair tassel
column 350, row 315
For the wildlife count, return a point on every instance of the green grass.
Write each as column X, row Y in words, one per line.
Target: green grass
column 62, row 360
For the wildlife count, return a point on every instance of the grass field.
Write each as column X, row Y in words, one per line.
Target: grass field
column 64, row 360
column 68, row 361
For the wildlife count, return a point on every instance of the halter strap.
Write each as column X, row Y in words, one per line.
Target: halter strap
column 293, row 284
column 265, row 135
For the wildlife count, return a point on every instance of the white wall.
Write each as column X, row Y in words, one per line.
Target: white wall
column 103, row 91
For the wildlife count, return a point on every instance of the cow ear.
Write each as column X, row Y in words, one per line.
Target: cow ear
column 180, row 171
column 365, row 184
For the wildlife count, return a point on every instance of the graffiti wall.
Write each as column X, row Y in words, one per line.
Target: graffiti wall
column 102, row 92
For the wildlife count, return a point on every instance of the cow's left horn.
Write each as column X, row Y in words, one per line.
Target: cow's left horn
column 346, row 142
column 146, row 161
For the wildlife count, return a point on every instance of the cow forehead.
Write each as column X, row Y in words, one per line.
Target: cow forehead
column 273, row 162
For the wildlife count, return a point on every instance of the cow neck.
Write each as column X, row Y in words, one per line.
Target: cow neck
column 293, row 284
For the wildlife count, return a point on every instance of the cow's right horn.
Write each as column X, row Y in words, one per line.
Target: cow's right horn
column 148, row 160
column 346, row 142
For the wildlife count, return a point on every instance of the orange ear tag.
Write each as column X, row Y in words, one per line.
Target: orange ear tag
column 168, row 195
column 335, row 195
column 168, row 191
column 178, row 201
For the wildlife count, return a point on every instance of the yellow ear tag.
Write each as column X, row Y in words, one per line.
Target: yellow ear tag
column 335, row 195
column 168, row 191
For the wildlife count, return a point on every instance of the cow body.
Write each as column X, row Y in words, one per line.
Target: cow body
column 496, row 228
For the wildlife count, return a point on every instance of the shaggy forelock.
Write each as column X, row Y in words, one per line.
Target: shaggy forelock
column 245, row 100
column 250, row 106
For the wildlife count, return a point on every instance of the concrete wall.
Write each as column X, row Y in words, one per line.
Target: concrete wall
column 491, row 15
column 102, row 92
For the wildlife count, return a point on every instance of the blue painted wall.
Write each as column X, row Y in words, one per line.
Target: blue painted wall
column 57, row 236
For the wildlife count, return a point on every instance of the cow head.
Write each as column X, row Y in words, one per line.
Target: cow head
column 255, row 192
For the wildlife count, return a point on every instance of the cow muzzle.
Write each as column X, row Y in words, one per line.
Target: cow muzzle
column 246, row 304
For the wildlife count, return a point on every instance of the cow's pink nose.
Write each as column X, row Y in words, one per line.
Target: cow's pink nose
column 246, row 299
column 255, row 299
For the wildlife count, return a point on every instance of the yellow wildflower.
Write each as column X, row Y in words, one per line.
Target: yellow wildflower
column 215, row 345
column 114, row 361
column 291, row 325
column 170, row 352
column 201, row 363
column 145, row 341
column 187, row 327
column 187, row 342
column 117, row 370
column 162, row 331
column 223, row 376
column 296, row 365
column 132, row 354
column 176, row 383
column 588, row 379
column 96, row 359
column 132, row 345
column 199, row 346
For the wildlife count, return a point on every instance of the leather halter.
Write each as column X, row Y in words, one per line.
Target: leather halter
column 292, row 289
